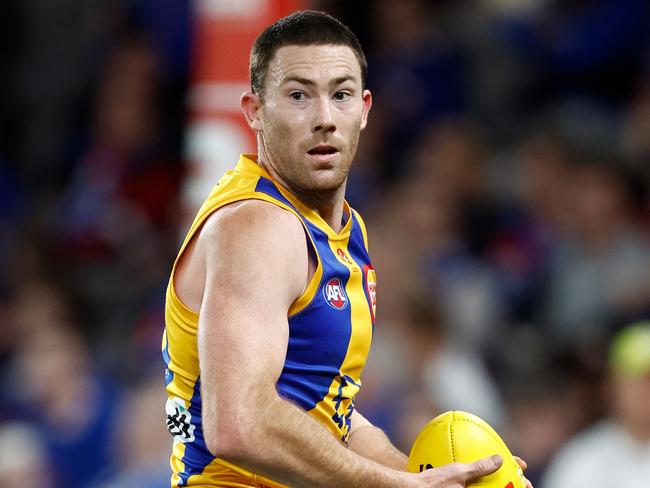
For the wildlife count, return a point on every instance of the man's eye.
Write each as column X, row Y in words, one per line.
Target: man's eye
column 340, row 96
column 297, row 96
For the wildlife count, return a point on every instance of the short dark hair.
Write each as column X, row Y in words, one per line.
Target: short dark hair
column 303, row 28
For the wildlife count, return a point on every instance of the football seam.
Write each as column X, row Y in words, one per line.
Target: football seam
column 494, row 436
column 453, row 444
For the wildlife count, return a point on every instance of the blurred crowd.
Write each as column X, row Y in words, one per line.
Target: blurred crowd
column 505, row 182
column 91, row 166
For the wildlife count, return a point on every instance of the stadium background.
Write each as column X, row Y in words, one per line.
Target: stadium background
column 504, row 178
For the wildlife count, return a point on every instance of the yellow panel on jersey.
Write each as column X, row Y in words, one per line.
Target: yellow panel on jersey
column 330, row 330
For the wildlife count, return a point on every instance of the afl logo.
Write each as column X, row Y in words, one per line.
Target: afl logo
column 334, row 294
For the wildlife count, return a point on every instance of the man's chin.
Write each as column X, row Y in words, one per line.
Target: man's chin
column 326, row 181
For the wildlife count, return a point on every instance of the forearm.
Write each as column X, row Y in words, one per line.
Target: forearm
column 287, row 445
column 372, row 443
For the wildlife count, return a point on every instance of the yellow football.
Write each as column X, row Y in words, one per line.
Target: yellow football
column 462, row 437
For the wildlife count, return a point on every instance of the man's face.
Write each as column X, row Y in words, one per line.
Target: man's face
column 312, row 112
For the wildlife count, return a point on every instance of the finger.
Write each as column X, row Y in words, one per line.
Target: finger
column 481, row 467
column 521, row 463
column 528, row 483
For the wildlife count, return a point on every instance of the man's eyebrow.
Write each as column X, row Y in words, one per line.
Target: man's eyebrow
column 299, row 79
column 342, row 79
column 308, row 82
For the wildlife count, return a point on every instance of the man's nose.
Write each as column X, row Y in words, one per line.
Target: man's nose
column 323, row 120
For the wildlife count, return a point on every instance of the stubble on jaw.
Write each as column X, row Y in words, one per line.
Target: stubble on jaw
column 299, row 177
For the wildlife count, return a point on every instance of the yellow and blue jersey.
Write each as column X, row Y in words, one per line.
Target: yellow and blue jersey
column 330, row 330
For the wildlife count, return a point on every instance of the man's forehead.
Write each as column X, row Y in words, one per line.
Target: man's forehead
column 305, row 60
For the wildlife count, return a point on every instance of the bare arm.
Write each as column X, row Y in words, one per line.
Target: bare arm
column 256, row 265
column 372, row 443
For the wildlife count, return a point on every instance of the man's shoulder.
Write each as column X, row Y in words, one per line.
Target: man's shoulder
column 255, row 235
column 251, row 242
column 251, row 216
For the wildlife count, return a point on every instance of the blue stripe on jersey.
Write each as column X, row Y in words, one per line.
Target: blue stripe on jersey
column 319, row 334
column 196, row 456
column 169, row 375
column 265, row 185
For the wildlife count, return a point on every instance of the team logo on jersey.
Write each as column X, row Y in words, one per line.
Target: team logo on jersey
column 371, row 288
column 345, row 258
column 334, row 294
column 179, row 420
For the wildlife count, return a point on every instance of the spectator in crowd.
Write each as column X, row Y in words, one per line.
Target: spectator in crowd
column 583, row 49
column 416, row 76
column 52, row 385
column 432, row 371
column 24, row 462
column 454, row 217
column 141, row 446
column 550, row 395
column 124, row 174
column 115, row 227
column 600, row 266
column 615, row 452
column 453, row 376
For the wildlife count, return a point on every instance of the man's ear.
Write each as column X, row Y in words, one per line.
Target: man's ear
column 251, row 107
column 367, row 104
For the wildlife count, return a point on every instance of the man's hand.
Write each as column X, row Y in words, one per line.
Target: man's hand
column 457, row 475
column 523, row 465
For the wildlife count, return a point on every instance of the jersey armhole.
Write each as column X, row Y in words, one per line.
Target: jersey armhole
column 312, row 287
column 305, row 297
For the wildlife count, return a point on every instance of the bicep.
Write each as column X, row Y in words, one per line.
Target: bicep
column 253, row 274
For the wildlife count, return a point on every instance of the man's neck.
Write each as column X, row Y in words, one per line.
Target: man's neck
column 328, row 204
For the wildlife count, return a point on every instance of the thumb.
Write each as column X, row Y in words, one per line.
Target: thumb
column 482, row 467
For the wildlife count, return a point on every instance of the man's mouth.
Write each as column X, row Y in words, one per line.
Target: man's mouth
column 322, row 150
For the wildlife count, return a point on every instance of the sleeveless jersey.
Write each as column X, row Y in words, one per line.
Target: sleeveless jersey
column 330, row 330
